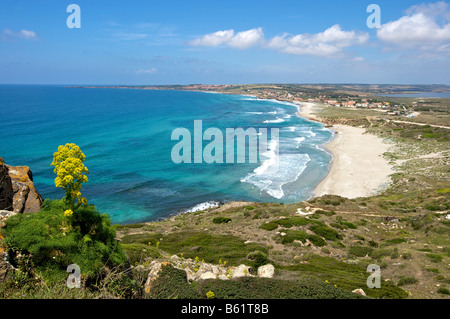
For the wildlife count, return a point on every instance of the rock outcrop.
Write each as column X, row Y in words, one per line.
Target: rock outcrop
column 17, row 191
column 266, row 271
column 196, row 270
column 359, row 292
column 6, row 189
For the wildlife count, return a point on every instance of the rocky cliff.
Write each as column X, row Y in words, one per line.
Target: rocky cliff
column 17, row 190
column 6, row 189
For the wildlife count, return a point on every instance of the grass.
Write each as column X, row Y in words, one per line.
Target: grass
column 138, row 253
column 434, row 257
column 395, row 241
column 268, row 288
column 50, row 242
column 443, row 291
column 346, row 276
column 221, row 220
column 292, row 235
column 269, row 226
column 405, row 281
column 360, row 251
column 209, row 247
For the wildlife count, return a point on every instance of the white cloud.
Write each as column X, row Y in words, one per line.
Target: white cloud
column 247, row 39
column 146, row 71
column 326, row 43
column 423, row 26
column 22, row 34
column 213, row 39
column 240, row 40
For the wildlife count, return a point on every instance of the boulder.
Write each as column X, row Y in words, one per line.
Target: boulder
column 26, row 198
column 190, row 274
column 6, row 189
column 207, row 275
column 359, row 292
column 241, row 271
column 3, row 215
column 266, row 271
column 155, row 268
column 5, row 268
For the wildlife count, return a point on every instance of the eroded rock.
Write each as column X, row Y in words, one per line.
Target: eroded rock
column 26, row 198
column 6, row 189
column 266, row 271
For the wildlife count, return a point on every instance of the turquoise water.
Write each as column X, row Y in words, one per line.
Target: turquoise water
column 126, row 137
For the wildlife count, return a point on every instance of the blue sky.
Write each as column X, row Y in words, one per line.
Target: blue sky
column 224, row 42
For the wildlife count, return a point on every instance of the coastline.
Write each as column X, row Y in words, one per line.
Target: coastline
column 358, row 168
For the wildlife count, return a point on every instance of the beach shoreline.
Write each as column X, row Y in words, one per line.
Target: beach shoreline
column 358, row 168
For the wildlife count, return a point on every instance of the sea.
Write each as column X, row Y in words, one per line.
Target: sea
column 126, row 135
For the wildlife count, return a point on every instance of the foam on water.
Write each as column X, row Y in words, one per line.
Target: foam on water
column 277, row 170
column 273, row 174
column 203, row 206
column 278, row 120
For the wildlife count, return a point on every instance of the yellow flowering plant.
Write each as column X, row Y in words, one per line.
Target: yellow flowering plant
column 70, row 173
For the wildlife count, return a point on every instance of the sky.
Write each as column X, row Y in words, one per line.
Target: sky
column 224, row 42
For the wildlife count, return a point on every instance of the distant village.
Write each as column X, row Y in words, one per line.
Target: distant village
column 334, row 100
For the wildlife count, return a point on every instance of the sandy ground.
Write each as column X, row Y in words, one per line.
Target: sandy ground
column 358, row 168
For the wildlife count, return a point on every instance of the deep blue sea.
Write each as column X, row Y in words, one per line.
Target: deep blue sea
column 126, row 137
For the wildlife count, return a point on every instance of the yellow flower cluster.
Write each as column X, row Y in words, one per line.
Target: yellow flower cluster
column 70, row 171
column 68, row 213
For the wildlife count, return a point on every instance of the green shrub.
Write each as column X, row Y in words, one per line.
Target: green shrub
column 406, row 281
column 210, row 247
column 257, row 258
column 172, row 284
column 406, row 255
column 359, row 251
column 269, row 226
column 53, row 244
column 435, row 257
column 317, row 240
column 395, row 241
column 221, row 220
column 289, row 222
column 292, row 235
column 380, row 253
column 394, row 254
column 345, row 276
column 337, row 226
column 268, row 288
column 443, row 291
column 373, row 243
column 433, row 270
column 286, row 222
column 301, row 221
column 349, row 225
column 138, row 252
column 431, row 135
column 325, row 212
column 325, row 232
column 335, row 203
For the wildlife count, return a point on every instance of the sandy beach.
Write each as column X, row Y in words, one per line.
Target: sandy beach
column 358, row 168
